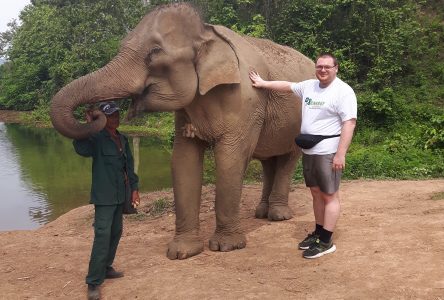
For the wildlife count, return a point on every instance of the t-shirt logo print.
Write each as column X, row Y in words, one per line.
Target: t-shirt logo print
column 313, row 104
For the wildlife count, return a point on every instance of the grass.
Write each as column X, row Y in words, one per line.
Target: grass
column 140, row 216
column 438, row 196
column 157, row 208
column 160, row 206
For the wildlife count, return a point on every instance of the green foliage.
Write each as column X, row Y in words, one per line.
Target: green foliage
column 379, row 162
column 434, row 135
column 298, row 175
column 209, row 171
column 160, row 206
column 381, row 109
column 252, row 174
column 39, row 116
column 370, row 38
column 160, row 124
column 438, row 196
column 226, row 16
column 393, row 153
column 241, row 16
column 59, row 41
column 256, row 29
column 391, row 52
column 7, row 36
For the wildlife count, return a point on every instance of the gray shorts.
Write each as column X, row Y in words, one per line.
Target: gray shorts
column 318, row 172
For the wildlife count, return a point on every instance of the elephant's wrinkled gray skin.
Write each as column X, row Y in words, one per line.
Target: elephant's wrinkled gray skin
column 173, row 62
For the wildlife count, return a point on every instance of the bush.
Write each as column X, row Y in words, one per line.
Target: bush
column 380, row 163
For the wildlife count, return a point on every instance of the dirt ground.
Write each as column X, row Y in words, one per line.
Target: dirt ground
column 390, row 245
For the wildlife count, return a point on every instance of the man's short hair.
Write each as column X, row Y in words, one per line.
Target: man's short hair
column 328, row 54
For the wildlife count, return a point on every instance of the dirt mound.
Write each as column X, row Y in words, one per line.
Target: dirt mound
column 10, row 116
column 390, row 241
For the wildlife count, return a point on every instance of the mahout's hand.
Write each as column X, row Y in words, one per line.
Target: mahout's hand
column 135, row 199
column 92, row 114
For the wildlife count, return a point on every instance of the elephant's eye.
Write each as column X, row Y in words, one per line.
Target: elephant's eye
column 152, row 52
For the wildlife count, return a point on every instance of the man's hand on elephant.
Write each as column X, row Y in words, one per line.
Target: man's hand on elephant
column 256, row 79
column 189, row 130
column 135, row 199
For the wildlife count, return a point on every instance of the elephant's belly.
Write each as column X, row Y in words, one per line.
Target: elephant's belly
column 274, row 142
column 281, row 125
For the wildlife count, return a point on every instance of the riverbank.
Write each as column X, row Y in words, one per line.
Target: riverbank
column 161, row 130
column 389, row 241
column 11, row 116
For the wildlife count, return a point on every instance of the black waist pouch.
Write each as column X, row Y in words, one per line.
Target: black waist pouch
column 307, row 141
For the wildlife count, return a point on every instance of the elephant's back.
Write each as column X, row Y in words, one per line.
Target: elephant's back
column 281, row 62
column 284, row 63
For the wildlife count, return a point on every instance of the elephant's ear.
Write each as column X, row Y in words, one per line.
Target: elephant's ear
column 217, row 62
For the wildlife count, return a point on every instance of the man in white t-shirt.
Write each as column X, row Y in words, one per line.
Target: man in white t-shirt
column 329, row 108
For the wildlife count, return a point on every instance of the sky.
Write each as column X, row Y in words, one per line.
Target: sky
column 10, row 9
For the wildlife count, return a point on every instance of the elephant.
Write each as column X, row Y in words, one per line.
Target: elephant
column 173, row 61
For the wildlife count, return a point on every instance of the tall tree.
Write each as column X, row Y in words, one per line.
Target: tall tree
column 60, row 40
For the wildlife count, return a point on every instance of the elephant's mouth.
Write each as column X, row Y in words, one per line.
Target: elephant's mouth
column 137, row 100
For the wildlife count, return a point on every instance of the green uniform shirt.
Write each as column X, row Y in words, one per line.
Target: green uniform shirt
column 108, row 167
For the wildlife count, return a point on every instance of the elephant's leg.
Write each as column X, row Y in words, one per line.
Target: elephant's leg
column 187, row 166
column 269, row 167
column 230, row 168
column 278, row 201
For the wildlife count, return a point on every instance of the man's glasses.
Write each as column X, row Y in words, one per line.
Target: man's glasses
column 327, row 68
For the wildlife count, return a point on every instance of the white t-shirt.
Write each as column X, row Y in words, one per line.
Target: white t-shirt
column 324, row 110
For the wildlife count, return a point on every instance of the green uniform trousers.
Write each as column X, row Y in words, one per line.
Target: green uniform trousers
column 107, row 232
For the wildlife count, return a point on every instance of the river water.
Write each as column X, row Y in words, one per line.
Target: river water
column 41, row 177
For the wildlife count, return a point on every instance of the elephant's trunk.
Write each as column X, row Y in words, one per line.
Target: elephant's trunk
column 116, row 80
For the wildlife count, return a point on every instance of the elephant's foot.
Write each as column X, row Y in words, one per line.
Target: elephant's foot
column 182, row 247
column 261, row 211
column 227, row 242
column 279, row 213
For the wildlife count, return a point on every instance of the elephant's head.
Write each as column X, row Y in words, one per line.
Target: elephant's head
column 162, row 64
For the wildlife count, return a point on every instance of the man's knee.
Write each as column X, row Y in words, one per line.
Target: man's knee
column 102, row 230
column 315, row 190
column 329, row 197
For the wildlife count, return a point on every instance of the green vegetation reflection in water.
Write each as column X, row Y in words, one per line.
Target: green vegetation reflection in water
column 52, row 168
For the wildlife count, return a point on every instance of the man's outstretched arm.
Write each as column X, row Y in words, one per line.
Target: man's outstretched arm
column 280, row 86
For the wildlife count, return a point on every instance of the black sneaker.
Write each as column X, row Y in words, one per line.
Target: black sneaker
column 318, row 249
column 308, row 241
